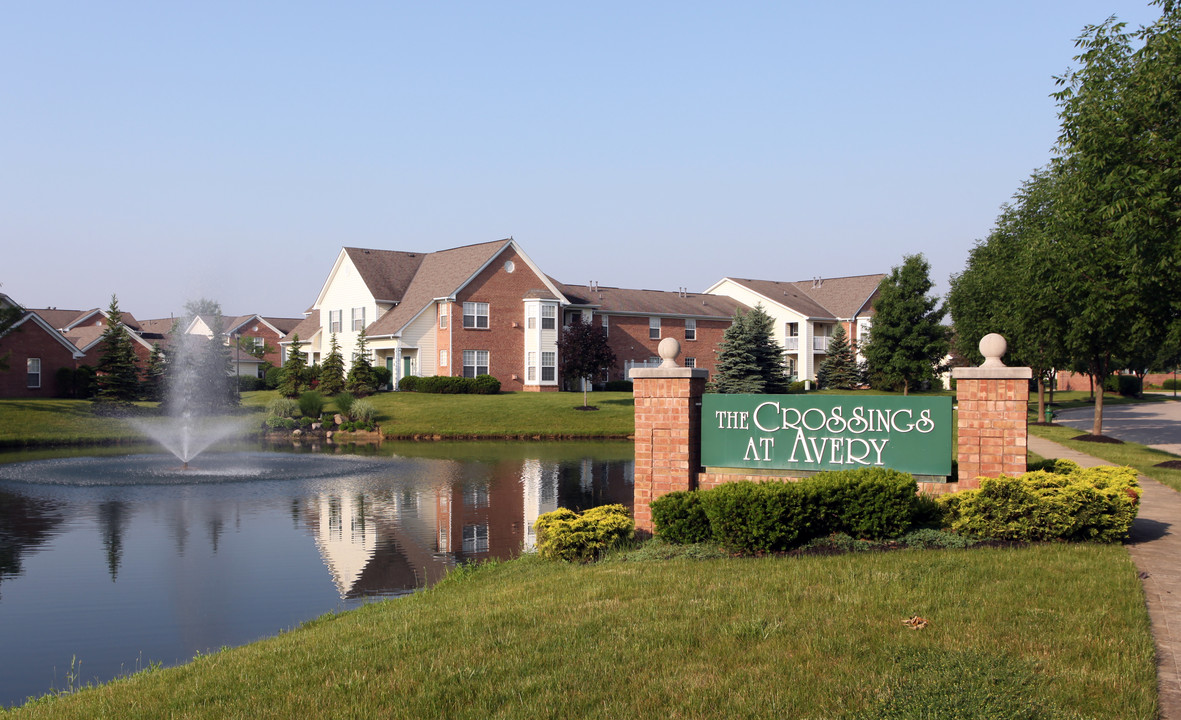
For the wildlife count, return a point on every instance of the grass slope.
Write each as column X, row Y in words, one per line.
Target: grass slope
column 1053, row 631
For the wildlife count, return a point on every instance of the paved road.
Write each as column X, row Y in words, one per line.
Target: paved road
column 1157, row 425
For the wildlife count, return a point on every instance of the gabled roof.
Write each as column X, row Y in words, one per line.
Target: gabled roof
column 85, row 337
column 66, row 320
column 306, row 329
column 623, row 301
column 837, row 298
column 281, row 326
column 387, row 273
column 446, row 272
column 32, row 318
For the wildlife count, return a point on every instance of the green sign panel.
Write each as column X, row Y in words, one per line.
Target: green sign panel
column 827, row 432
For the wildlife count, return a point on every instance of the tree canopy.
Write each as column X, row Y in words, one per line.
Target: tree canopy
column 584, row 352
column 908, row 343
column 750, row 360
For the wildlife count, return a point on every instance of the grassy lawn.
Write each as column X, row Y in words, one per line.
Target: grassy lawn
column 1050, row 631
column 1144, row 459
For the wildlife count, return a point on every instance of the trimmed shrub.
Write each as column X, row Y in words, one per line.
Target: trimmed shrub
column 273, row 377
column 1063, row 503
column 1130, row 386
column 282, row 407
column 760, row 517
column 311, row 404
column 280, row 423
column 247, row 383
column 486, row 385
column 797, row 388
column 408, row 383
column 679, row 517
column 382, row 376
column 619, row 386
column 865, row 503
column 1171, row 384
column 565, row 535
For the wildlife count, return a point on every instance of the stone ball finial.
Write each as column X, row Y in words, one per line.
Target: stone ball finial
column 992, row 347
column 669, row 349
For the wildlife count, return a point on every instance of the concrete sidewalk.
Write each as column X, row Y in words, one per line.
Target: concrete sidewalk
column 1154, row 547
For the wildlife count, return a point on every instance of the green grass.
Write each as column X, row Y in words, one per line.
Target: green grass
column 1052, row 631
column 1143, row 458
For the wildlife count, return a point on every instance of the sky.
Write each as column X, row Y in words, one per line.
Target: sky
column 164, row 152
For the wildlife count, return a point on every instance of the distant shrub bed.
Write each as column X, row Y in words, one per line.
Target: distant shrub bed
column 618, row 386
column 566, row 535
column 1059, row 501
column 872, row 503
column 446, row 385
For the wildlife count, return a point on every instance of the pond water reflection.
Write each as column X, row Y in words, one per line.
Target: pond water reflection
column 102, row 576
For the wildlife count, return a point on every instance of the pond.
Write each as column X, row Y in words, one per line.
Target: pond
column 112, row 562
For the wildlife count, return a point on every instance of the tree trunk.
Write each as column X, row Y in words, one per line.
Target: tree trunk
column 1097, row 426
column 1041, row 399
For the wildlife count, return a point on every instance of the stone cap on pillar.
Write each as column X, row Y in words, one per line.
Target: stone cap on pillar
column 992, row 347
column 669, row 350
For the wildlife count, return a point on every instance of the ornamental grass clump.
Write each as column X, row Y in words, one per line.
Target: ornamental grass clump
column 1064, row 502
column 566, row 535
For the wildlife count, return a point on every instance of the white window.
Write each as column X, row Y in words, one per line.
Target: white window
column 653, row 328
column 442, row 317
column 358, row 319
column 531, row 367
column 475, row 538
column 334, row 320
column 690, row 329
column 475, row 362
column 475, row 315
column 443, row 356
column 603, row 320
column 33, row 367
column 531, row 321
column 690, row 362
column 549, row 317
column 549, row 366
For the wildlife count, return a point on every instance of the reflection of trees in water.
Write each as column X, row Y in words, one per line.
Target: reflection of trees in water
column 25, row 523
column 590, row 483
column 113, row 518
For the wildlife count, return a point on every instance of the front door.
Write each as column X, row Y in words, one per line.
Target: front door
column 389, row 365
column 407, row 366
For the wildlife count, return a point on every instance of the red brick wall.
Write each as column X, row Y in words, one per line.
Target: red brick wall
column 270, row 337
column 628, row 337
column 992, row 428
column 31, row 341
column 667, row 441
column 505, row 337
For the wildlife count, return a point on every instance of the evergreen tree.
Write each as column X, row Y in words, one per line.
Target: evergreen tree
column 750, row 361
column 839, row 368
column 217, row 365
column 332, row 369
column 118, row 367
column 361, row 380
column 294, row 370
column 908, row 343
column 153, row 383
column 584, row 352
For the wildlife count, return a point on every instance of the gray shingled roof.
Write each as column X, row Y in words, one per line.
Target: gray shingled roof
column 387, row 273
column 307, row 327
column 652, row 302
column 826, row 297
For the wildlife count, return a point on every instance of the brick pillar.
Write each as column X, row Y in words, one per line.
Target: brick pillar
column 993, row 406
column 668, row 430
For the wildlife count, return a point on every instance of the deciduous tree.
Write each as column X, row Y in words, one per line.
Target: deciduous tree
column 584, row 352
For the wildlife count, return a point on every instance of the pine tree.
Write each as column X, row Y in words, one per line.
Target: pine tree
column 332, row 369
column 118, row 368
column 294, row 370
column 153, row 383
column 750, row 361
column 839, row 368
column 361, row 380
column 908, row 342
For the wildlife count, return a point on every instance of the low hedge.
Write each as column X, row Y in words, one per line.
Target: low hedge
column 873, row 503
column 446, row 385
column 1061, row 501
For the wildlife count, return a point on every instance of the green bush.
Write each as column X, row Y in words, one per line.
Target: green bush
column 408, row 383
column 619, row 386
column 679, row 517
column 1171, row 384
column 280, row 423
column 1066, row 502
column 865, row 503
column 363, row 412
column 382, row 376
column 273, row 378
column 760, row 517
column 799, row 387
column 565, row 535
column 306, row 421
column 1130, row 386
column 344, row 404
column 311, row 404
column 247, row 383
column 486, row 385
column 282, row 407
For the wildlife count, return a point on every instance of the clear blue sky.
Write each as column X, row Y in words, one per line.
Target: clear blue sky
column 163, row 151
